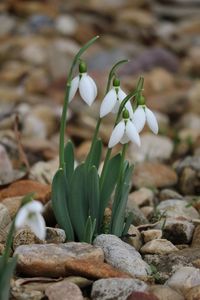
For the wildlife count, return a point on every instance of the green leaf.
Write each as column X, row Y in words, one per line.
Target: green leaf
column 120, row 201
column 69, row 160
column 89, row 230
column 107, row 186
column 94, row 156
column 78, row 201
column 60, row 200
column 93, row 192
column 128, row 223
column 6, row 274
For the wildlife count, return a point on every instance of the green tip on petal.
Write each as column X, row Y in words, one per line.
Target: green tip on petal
column 116, row 82
column 125, row 114
column 141, row 100
column 82, row 67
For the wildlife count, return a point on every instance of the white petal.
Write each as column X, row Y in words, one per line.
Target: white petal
column 34, row 206
column 94, row 85
column 151, row 120
column 132, row 133
column 130, row 109
column 125, row 139
column 121, row 95
column 21, row 217
column 108, row 103
column 116, row 107
column 86, row 89
column 37, row 225
column 117, row 134
column 74, row 88
column 139, row 118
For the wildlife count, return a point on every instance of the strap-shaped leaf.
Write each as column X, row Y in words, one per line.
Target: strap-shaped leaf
column 94, row 156
column 89, row 230
column 109, row 183
column 120, row 201
column 69, row 160
column 60, row 200
column 128, row 223
column 93, row 192
column 78, row 202
column 5, row 276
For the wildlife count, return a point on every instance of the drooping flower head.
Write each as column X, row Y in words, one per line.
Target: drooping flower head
column 142, row 115
column 124, row 132
column 30, row 215
column 113, row 99
column 86, row 85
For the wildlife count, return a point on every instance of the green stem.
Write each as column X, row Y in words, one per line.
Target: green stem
column 105, row 166
column 9, row 240
column 66, row 100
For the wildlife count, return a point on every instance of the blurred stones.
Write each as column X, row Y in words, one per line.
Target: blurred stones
column 118, row 288
column 43, row 172
column 153, row 175
column 153, row 148
column 165, row 293
column 7, row 25
column 141, row 197
column 158, row 246
column 6, row 168
column 66, row 25
column 5, row 222
column 167, row 194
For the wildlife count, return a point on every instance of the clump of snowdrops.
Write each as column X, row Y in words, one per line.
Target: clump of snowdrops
column 29, row 214
column 80, row 195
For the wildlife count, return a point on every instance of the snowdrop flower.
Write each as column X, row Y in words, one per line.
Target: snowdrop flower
column 30, row 215
column 124, row 132
column 113, row 99
column 86, row 85
column 142, row 115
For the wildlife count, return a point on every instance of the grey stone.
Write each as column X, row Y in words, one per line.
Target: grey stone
column 139, row 217
column 177, row 208
column 167, row 194
column 184, row 279
column 121, row 255
column 116, row 288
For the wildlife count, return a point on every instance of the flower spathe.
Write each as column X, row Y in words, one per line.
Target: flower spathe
column 142, row 115
column 87, row 88
column 112, row 101
column 124, row 132
column 30, row 215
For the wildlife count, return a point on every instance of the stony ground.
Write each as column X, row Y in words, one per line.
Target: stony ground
column 162, row 39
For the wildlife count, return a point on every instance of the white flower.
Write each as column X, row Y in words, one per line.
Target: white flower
column 112, row 101
column 87, row 88
column 30, row 215
column 143, row 114
column 124, row 132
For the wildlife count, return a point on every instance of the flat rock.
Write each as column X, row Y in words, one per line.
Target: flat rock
column 153, row 148
column 121, row 255
column 116, row 288
column 64, row 291
column 178, row 231
column 184, row 279
column 51, row 259
column 174, row 208
column 23, row 187
column 158, row 246
column 165, row 293
column 154, row 175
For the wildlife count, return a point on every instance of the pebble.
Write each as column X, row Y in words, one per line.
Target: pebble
column 153, row 148
column 134, row 237
column 141, row 197
column 196, row 237
column 151, row 234
column 193, row 293
column 66, row 25
column 174, row 208
column 5, row 222
column 64, row 290
column 7, row 25
column 142, row 296
column 178, row 231
column 6, row 168
column 23, row 187
column 153, row 175
column 52, row 259
column 158, row 246
column 167, row 194
column 116, row 288
column 184, row 279
column 121, row 255
column 139, row 217
column 165, row 293
column 43, row 172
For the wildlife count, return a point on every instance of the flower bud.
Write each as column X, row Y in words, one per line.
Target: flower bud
column 125, row 114
column 82, row 67
column 141, row 100
column 116, row 82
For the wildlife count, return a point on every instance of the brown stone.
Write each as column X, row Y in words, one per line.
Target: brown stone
column 165, row 293
column 142, row 296
column 193, row 293
column 63, row 290
column 12, row 204
column 23, row 187
column 151, row 174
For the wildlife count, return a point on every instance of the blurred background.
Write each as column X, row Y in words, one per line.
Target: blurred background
column 38, row 40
